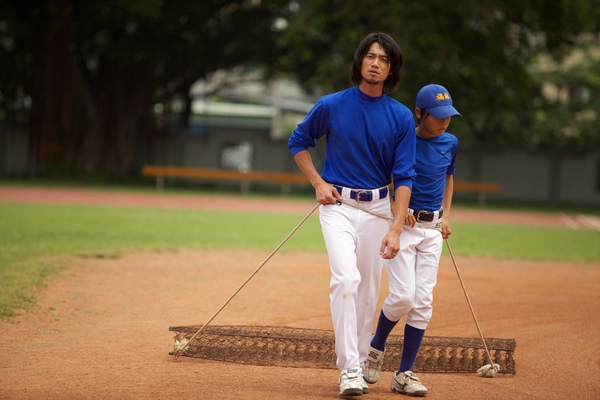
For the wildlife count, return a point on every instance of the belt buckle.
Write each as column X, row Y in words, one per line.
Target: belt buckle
column 359, row 193
column 427, row 214
column 418, row 215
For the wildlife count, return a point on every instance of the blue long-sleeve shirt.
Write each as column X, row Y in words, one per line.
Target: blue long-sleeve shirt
column 369, row 140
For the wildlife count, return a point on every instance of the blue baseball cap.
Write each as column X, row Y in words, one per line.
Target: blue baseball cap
column 436, row 100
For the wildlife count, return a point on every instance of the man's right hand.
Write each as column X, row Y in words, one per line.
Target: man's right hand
column 326, row 193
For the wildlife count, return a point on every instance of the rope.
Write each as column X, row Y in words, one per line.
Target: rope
column 438, row 228
column 364, row 209
column 487, row 352
column 184, row 343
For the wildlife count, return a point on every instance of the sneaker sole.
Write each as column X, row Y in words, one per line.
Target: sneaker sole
column 352, row 392
column 415, row 394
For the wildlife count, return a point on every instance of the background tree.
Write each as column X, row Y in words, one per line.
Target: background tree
column 87, row 77
column 565, row 122
column 481, row 50
column 89, row 73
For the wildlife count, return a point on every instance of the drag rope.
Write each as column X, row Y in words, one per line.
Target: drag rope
column 181, row 346
column 438, row 228
column 487, row 352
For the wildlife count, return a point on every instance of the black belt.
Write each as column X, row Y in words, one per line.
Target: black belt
column 362, row 196
column 427, row 216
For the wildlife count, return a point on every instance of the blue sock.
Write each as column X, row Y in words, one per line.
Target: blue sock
column 383, row 330
column 412, row 342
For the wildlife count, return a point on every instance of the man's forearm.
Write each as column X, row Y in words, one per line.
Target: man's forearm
column 402, row 198
column 304, row 162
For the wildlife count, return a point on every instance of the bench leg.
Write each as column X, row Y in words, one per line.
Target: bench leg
column 245, row 187
column 481, row 199
column 160, row 182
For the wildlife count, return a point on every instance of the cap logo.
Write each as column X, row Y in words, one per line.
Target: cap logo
column 442, row 96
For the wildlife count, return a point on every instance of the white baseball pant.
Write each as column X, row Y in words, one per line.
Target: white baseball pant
column 412, row 275
column 353, row 239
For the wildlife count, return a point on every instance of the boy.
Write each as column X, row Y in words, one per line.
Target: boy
column 412, row 275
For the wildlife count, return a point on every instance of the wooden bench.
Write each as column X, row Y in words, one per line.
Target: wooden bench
column 481, row 188
column 286, row 179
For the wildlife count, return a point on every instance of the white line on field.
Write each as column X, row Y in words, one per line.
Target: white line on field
column 570, row 222
column 589, row 221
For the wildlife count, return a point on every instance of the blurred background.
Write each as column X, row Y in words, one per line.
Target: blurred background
column 98, row 89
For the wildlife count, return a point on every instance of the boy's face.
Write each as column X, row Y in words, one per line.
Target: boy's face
column 375, row 65
column 430, row 126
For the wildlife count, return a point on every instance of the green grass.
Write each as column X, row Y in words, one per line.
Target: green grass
column 29, row 232
column 519, row 242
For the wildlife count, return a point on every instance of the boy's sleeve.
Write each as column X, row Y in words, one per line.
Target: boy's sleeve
column 452, row 167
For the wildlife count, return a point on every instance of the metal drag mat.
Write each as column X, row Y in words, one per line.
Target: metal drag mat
column 314, row 348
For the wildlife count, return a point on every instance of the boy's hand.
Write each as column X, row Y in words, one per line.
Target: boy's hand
column 410, row 220
column 446, row 230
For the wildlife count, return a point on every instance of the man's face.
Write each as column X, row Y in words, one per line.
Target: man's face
column 375, row 65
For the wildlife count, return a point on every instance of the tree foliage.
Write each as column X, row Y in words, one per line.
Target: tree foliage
column 88, row 73
column 85, row 76
column 481, row 50
column 566, row 117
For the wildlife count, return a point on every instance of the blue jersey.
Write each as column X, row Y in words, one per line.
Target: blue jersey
column 369, row 140
column 436, row 158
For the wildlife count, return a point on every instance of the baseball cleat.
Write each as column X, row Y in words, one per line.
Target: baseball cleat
column 372, row 366
column 352, row 382
column 408, row 383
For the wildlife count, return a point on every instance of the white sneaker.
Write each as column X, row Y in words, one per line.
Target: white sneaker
column 408, row 383
column 372, row 366
column 365, row 387
column 351, row 382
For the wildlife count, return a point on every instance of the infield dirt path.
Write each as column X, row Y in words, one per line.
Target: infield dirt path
column 100, row 330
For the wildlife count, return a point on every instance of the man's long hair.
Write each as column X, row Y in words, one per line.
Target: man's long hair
column 394, row 56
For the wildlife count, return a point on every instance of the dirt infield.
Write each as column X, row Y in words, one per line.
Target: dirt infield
column 100, row 330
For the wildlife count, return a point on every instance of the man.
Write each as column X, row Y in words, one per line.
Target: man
column 370, row 140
